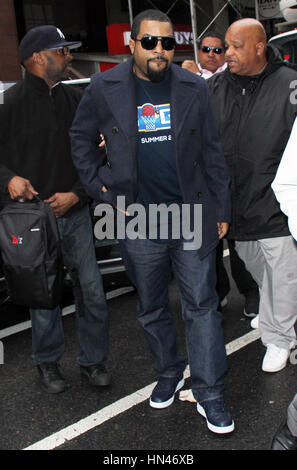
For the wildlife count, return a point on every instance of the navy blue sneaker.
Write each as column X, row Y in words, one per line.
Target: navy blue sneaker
column 164, row 392
column 218, row 419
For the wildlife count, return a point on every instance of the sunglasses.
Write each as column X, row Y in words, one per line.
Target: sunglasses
column 150, row 42
column 216, row 50
column 61, row 50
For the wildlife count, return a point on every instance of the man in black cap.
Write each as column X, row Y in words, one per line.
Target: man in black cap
column 35, row 158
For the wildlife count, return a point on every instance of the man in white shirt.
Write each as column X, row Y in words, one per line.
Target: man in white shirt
column 285, row 190
column 211, row 55
column 285, row 182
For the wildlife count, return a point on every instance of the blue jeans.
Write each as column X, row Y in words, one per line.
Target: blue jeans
column 76, row 235
column 149, row 265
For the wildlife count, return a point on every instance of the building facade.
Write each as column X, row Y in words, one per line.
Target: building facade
column 87, row 21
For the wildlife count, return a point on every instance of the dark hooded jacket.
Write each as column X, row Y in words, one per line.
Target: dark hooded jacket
column 255, row 119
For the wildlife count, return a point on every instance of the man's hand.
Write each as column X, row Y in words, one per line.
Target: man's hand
column 190, row 65
column 20, row 188
column 104, row 190
column 102, row 143
column 62, row 202
column 222, row 229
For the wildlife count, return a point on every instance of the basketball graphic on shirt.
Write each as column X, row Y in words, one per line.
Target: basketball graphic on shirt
column 148, row 116
column 152, row 118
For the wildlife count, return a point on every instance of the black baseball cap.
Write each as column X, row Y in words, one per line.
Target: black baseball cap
column 42, row 38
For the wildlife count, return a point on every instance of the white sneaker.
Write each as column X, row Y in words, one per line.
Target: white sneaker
column 275, row 358
column 255, row 322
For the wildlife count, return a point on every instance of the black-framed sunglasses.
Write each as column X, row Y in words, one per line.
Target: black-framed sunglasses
column 216, row 50
column 60, row 50
column 150, row 42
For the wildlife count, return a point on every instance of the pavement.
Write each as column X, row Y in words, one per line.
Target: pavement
column 117, row 422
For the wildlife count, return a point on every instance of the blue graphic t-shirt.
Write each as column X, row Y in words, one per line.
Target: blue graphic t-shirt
column 157, row 176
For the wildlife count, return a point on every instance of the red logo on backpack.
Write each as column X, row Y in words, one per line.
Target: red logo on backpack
column 17, row 240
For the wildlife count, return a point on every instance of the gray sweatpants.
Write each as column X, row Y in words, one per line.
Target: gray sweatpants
column 273, row 264
column 292, row 416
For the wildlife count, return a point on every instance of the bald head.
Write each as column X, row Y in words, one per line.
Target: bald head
column 250, row 27
column 246, row 47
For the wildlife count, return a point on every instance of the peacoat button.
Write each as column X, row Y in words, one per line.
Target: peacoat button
column 108, row 164
column 195, row 163
column 115, row 130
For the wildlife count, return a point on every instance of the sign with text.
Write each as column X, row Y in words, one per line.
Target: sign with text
column 118, row 36
column 269, row 9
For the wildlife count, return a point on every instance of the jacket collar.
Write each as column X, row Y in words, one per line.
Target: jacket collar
column 37, row 84
column 274, row 62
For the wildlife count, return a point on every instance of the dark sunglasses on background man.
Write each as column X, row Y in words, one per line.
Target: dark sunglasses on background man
column 150, row 42
column 60, row 50
column 216, row 50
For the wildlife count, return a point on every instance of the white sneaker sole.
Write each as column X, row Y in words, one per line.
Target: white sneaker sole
column 276, row 369
column 169, row 402
column 255, row 323
column 212, row 427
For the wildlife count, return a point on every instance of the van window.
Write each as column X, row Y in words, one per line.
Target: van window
column 287, row 47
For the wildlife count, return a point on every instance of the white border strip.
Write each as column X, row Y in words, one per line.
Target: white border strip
column 124, row 404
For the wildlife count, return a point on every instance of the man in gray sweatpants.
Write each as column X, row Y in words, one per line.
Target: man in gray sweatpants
column 286, row 436
column 272, row 261
column 255, row 114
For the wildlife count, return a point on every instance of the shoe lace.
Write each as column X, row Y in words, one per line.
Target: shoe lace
column 52, row 370
column 273, row 350
column 216, row 406
column 98, row 369
column 165, row 383
column 220, row 405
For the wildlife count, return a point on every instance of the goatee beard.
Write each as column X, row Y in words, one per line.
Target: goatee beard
column 155, row 75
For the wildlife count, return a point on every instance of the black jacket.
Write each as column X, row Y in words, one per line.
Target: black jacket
column 34, row 137
column 254, row 125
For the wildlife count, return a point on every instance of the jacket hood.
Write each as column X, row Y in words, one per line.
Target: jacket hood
column 274, row 58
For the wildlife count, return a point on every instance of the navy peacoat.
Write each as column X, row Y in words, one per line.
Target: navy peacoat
column 109, row 107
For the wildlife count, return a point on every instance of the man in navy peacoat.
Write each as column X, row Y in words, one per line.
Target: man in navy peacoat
column 163, row 148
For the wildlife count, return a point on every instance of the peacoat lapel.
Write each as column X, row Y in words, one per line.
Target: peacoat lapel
column 121, row 97
column 183, row 93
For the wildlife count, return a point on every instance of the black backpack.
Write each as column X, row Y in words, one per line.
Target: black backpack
column 31, row 254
